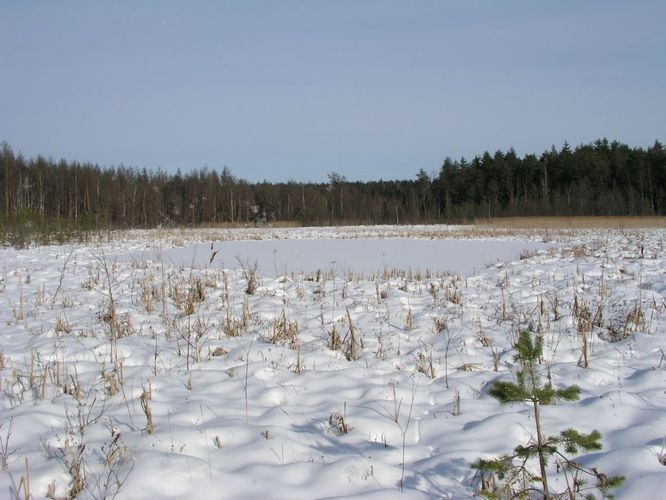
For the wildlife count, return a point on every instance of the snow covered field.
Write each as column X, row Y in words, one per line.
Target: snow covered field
column 141, row 366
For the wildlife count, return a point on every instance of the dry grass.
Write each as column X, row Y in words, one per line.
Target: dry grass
column 236, row 225
column 284, row 331
column 572, row 222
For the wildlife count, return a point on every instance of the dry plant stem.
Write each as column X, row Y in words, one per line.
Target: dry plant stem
column 247, row 370
column 129, row 413
column 540, row 438
column 504, row 315
column 298, row 369
column 113, row 322
column 146, row 396
column 203, row 424
column 404, row 437
column 246, row 312
column 456, row 403
column 249, row 271
column 188, row 340
column 351, row 352
column 599, row 317
column 334, row 342
column 25, row 482
column 450, row 337
column 396, row 405
column 62, row 274
column 163, row 291
column 337, row 422
column 446, row 361
column 409, row 320
column 661, row 456
column 225, row 295
column 18, row 313
column 584, row 327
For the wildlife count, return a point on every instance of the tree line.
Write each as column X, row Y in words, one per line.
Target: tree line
column 599, row 178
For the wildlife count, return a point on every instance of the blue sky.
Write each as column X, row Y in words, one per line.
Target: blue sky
column 282, row 90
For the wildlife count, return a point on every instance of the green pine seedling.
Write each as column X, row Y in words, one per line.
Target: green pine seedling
column 511, row 468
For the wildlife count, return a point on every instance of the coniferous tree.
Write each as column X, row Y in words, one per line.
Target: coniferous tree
column 513, row 469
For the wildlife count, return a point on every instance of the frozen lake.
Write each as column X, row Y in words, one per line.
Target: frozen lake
column 367, row 256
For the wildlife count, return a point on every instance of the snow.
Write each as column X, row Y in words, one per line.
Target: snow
column 343, row 256
column 239, row 416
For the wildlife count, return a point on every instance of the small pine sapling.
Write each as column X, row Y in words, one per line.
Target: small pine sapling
column 512, row 469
